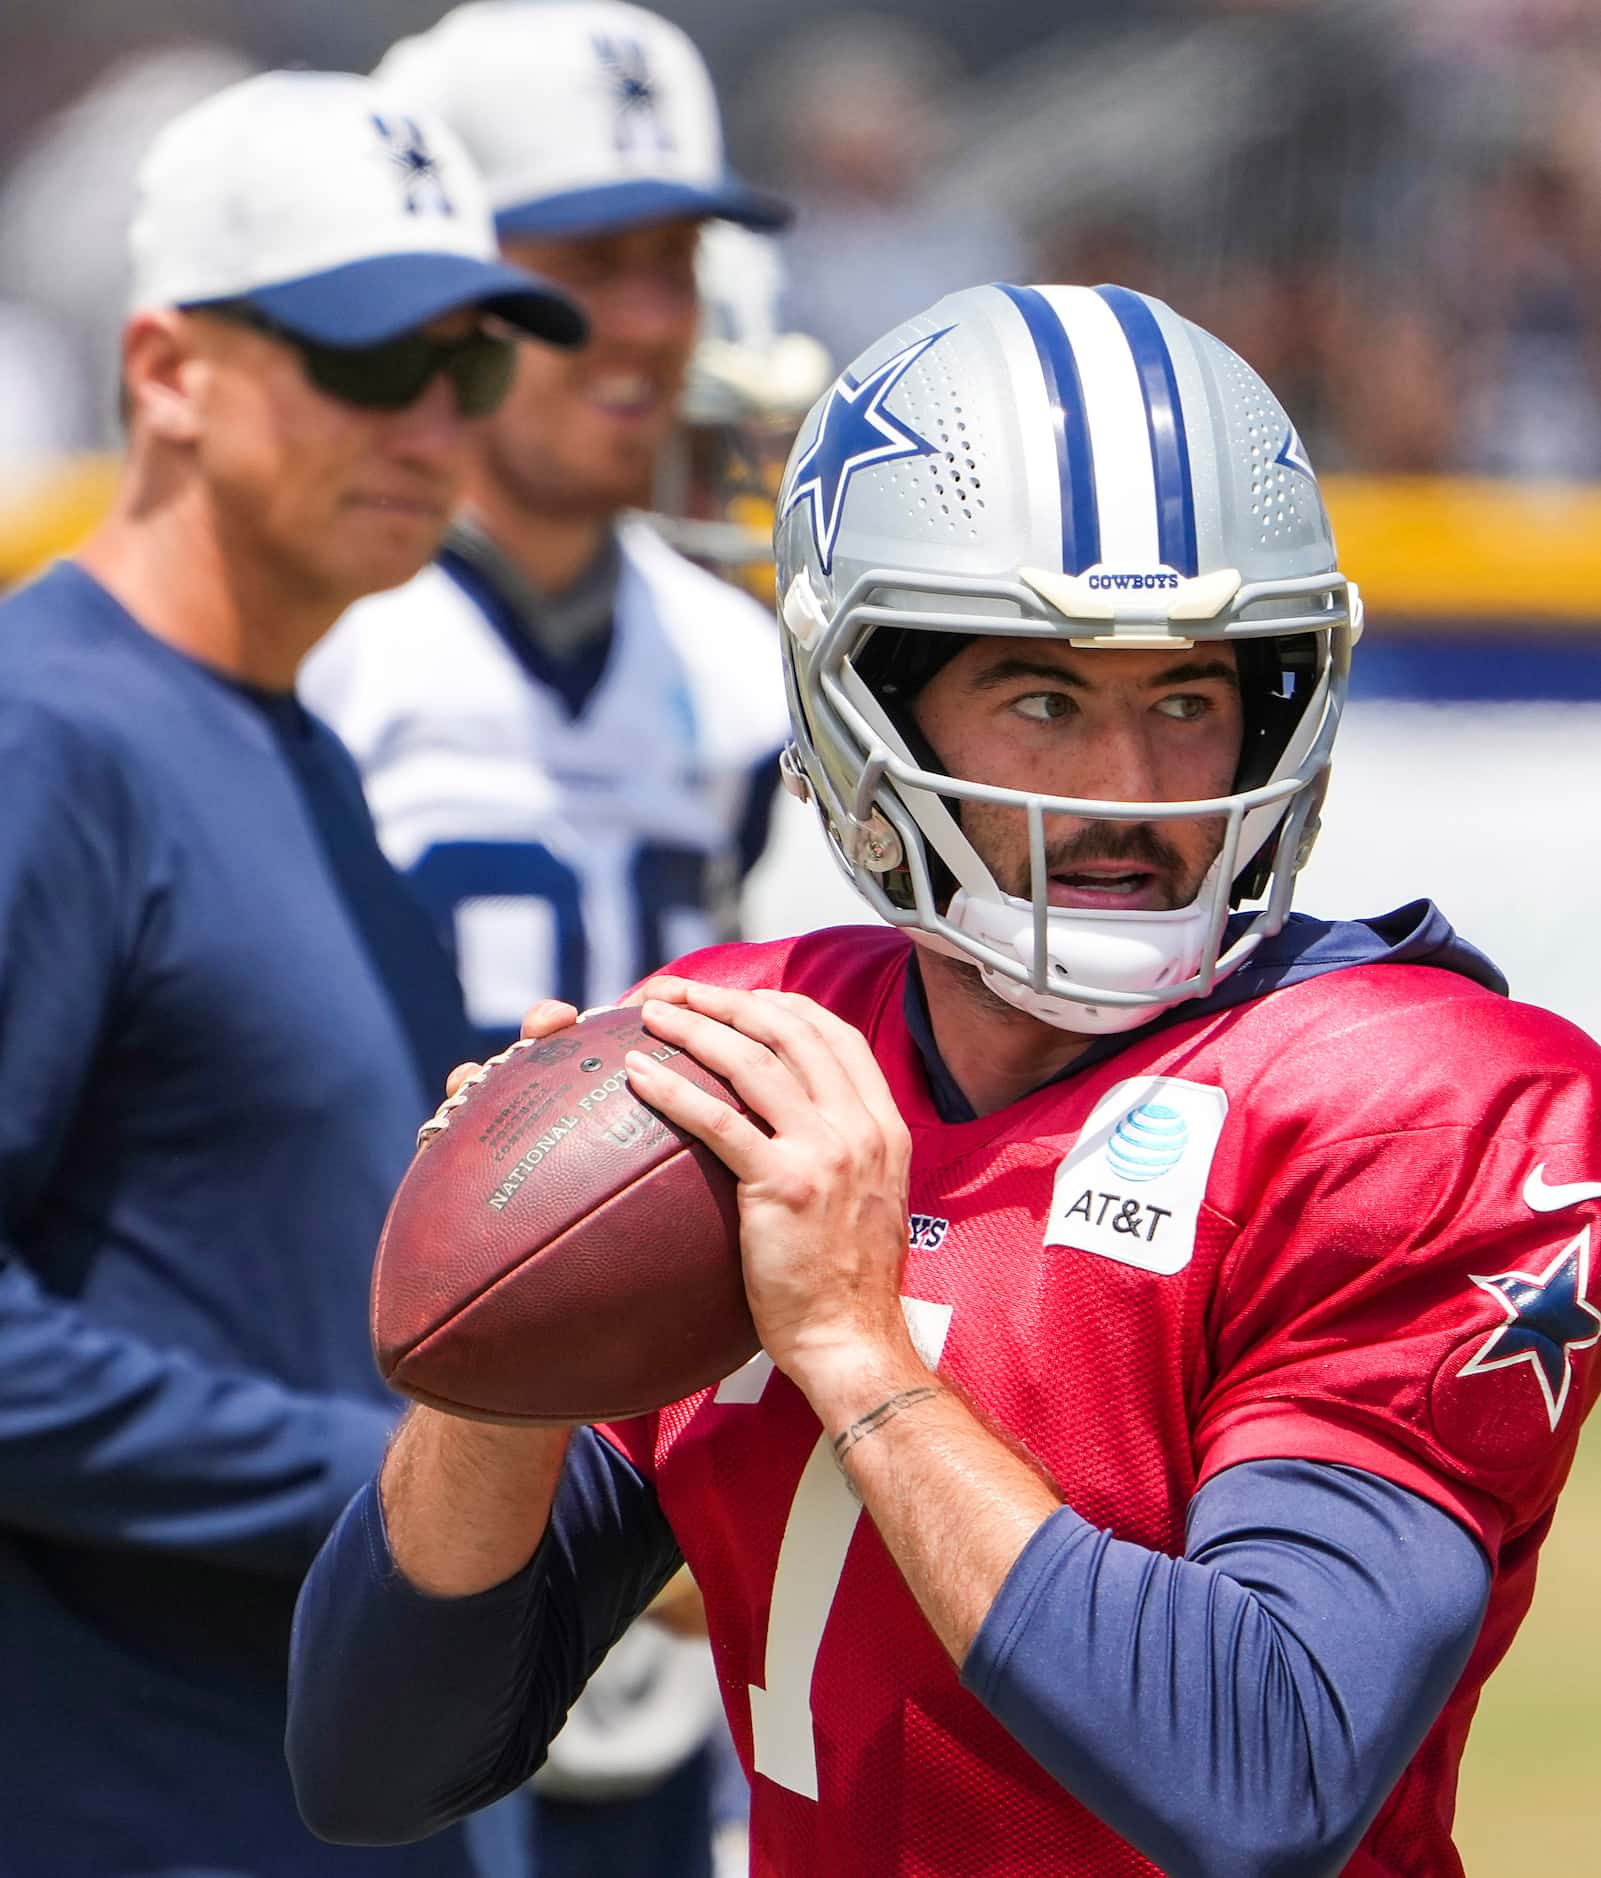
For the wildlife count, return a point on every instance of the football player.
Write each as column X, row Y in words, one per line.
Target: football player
column 1177, row 1314
column 569, row 733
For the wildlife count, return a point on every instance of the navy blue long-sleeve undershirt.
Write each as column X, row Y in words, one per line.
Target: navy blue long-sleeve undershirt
column 1239, row 1710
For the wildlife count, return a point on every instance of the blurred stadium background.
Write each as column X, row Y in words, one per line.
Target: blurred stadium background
column 1392, row 207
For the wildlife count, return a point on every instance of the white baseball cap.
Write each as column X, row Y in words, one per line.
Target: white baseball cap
column 585, row 116
column 333, row 210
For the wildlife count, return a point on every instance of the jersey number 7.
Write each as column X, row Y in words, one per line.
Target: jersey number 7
column 811, row 1561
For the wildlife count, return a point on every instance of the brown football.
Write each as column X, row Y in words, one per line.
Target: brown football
column 558, row 1252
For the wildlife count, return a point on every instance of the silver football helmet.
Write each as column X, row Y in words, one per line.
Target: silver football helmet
column 748, row 386
column 1066, row 463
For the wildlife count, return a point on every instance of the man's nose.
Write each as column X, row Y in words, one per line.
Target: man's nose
column 431, row 430
column 1119, row 762
column 645, row 307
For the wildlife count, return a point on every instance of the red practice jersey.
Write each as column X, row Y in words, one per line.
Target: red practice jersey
column 1350, row 1221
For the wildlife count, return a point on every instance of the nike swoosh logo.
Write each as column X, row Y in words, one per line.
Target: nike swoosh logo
column 1541, row 1198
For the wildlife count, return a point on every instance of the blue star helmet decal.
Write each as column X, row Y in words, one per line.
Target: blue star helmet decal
column 418, row 166
column 1548, row 1318
column 853, row 433
column 634, row 90
column 1292, row 454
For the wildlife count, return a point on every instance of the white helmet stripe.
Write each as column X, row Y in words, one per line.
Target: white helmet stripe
column 1080, row 525
column 1164, row 419
column 1120, row 444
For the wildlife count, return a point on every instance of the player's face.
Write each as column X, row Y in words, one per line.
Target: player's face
column 1113, row 726
column 581, row 432
column 334, row 499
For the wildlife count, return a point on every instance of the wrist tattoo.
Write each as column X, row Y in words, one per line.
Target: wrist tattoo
column 875, row 1419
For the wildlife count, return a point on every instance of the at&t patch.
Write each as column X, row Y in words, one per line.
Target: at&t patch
column 1131, row 1187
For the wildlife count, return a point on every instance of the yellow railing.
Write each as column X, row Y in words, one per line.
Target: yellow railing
column 1461, row 551
column 50, row 514
column 1438, row 550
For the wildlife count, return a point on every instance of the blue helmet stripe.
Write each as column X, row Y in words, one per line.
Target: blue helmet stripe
column 1081, row 522
column 1164, row 416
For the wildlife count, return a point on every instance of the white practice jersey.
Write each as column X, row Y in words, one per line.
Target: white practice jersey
column 562, row 854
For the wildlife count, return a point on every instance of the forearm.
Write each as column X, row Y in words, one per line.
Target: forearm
column 954, row 1505
column 466, row 1503
column 441, row 1703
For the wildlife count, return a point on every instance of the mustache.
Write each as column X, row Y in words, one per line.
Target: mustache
column 1135, row 842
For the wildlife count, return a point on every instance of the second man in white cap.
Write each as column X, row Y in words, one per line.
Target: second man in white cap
column 568, row 733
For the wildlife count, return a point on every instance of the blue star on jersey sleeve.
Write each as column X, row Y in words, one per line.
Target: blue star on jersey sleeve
column 1548, row 1317
column 853, row 433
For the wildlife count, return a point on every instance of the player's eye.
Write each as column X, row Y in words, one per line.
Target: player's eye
column 1185, row 705
column 1042, row 707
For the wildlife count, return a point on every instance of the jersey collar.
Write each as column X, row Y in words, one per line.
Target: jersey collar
column 1415, row 934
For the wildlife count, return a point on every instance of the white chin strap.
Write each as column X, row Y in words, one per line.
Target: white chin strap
column 1138, row 954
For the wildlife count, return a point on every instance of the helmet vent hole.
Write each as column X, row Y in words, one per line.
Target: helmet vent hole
column 946, row 495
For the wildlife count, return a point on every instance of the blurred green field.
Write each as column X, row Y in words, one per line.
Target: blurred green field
column 1530, row 1798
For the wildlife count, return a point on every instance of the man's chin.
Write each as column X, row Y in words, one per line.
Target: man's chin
column 592, row 487
column 609, row 488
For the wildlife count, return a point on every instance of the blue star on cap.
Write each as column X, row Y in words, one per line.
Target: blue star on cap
column 854, row 432
column 635, row 92
column 417, row 164
column 1548, row 1318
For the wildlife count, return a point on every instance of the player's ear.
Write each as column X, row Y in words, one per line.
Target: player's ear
column 161, row 370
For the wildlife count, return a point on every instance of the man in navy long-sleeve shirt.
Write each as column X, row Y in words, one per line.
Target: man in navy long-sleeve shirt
column 219, row 1010
column 1176, row 1317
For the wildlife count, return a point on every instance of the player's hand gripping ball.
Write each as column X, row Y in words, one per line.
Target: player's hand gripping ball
column 557, row 1252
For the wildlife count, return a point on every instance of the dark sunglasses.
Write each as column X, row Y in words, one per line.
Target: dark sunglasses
column 396, row 372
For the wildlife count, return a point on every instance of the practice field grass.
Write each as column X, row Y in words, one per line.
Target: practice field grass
column 1530, row 1798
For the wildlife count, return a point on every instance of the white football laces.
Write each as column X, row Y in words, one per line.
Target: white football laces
column 439, row 1121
